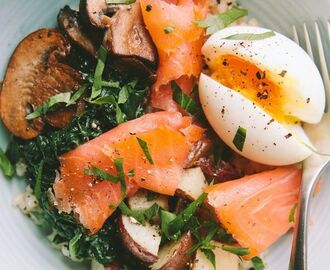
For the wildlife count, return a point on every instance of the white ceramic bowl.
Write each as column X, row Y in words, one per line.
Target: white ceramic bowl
column 23, row 245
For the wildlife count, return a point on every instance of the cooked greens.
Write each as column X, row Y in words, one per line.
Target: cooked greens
column 5, row 165
column 41, row 155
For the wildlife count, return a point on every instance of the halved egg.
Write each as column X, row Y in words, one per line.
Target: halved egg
column 267, row 88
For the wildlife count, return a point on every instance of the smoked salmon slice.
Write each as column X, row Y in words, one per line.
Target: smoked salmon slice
column 179, row 41
column 169, row 137
column 255, row 209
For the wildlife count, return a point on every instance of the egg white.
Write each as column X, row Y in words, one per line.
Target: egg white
column 285, row 63
column 267, row 141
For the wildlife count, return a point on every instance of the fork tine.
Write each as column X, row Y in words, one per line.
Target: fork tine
column 308, row 42
column 323, row 61
column 295, row 35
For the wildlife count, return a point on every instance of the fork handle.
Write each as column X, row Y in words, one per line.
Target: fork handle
column 298, row 259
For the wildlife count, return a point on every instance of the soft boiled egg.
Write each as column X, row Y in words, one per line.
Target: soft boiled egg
column 266, row 88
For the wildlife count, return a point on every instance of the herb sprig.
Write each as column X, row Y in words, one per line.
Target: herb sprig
column 140, row 215
column 214, row 23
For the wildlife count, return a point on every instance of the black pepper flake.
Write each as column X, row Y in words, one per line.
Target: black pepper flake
column 308, row 100
column 225, row 63
column 283, row 73
column 260, row 75
column 270, row 121
column 148, row 8
column 263, row 95
column 287, row 136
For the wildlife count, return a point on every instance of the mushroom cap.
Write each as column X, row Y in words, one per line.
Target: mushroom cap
column 69, row 22
column 34, row 74
column 127, row 35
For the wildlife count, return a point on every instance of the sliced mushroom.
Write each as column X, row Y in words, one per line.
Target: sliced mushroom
column 69, row 22
column 34, row 74
column 127, row 35
column 96, row 11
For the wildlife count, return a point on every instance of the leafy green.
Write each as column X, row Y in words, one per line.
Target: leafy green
column 73, row 245
column 166, row 218
column 251, row 36
column 239, row 138
column 173, row 225
column 100, row 174
column 37, row 187
column 49, row 104
column 97, row 118
column 240, row 251
column 184, row 101
column 121, row 175
column 5, row 165
column 97, row 84
column 292, row 213
column 145, row 149
column 258, row 264
column 140, row 215
column 123, row 95
column 214, row 23
column 77, row 95
column 209, row 255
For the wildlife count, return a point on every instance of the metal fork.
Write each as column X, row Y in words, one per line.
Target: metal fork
column 315, row 165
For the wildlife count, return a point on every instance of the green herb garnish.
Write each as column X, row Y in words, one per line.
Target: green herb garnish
column 240, row 251
column 49, row 104
column 140, row 215
column 258, row 264
column 121, row 175
column 101, row 174
column 166, row 218
column 5, row 165
column 97, row 84
column 292, row 213
column 184, row 101
column 205, row 245
column 239, row 138
column 251, row 36
column 37, row 187
column 214, row 23
column 145, row 149
column 174, row 227
column 73, row 245
column 168, row 29
column 77, row 95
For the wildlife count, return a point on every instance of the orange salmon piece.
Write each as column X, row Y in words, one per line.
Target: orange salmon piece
column 255, row 209
column 93, row 201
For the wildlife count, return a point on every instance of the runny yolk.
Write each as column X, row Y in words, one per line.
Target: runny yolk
column 252, row 82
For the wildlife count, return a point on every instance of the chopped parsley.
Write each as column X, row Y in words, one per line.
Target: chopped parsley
column 103, row 175
column 37, row 188
column 184, row 101
column 239, row 138
column 168, row 29
column 258, row 264
column 240, row 251
column 251, row 36
column 97, row 83
column 5, row 165
column 140, row 215
column 214, row 23
column 145, row 149
column 292, row 213
column 173, row 225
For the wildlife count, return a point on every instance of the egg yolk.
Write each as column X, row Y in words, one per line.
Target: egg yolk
column 252, row 82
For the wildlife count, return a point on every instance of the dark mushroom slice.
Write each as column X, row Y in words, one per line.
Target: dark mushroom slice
column 34, row 74
column 127, row 36
column 69, row 22
column 97, row 11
